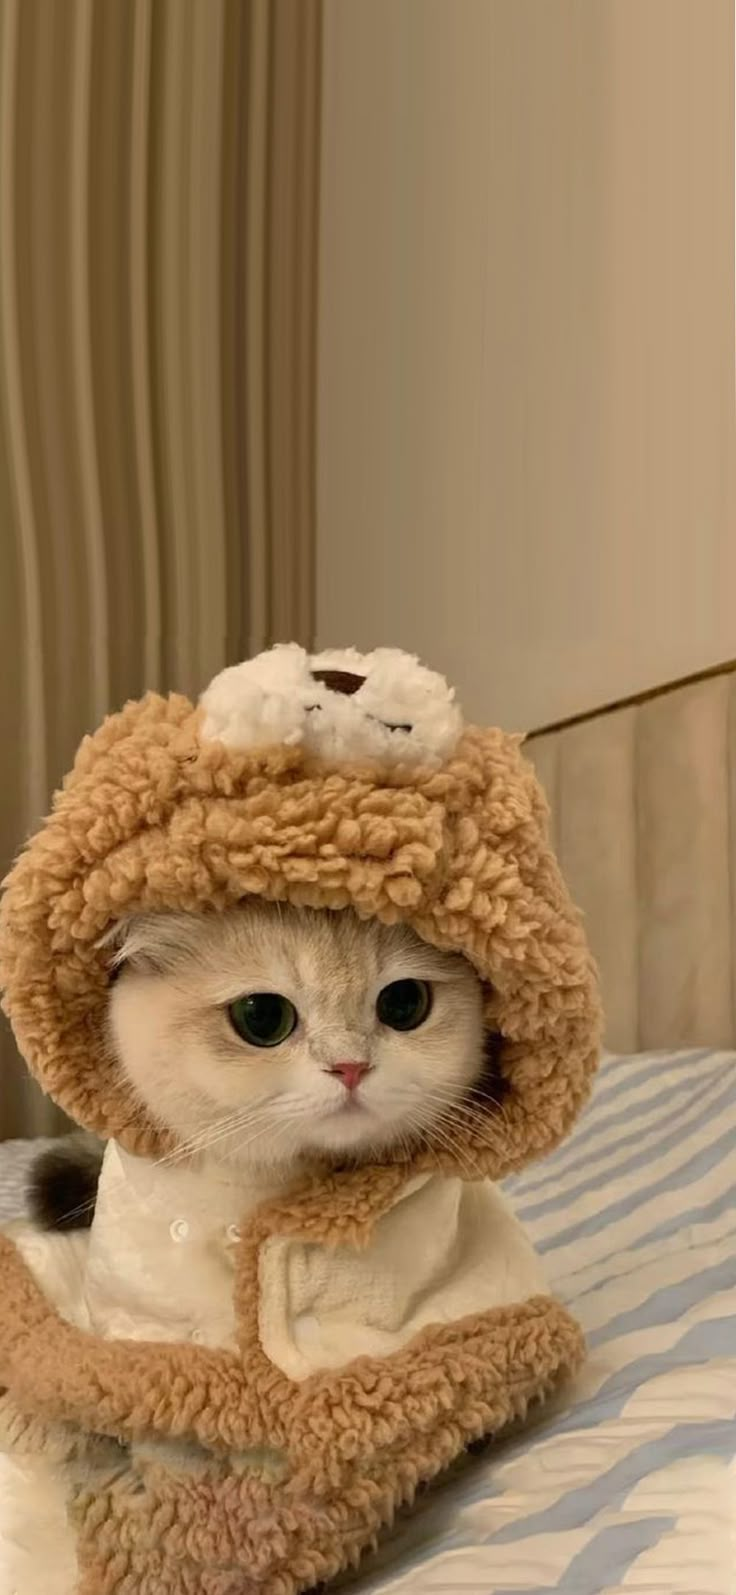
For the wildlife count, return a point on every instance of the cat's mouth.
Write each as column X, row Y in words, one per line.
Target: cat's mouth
column 344, row 1127
column 352, row 1105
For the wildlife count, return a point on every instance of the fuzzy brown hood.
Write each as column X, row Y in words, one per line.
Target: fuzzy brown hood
column 158, row 815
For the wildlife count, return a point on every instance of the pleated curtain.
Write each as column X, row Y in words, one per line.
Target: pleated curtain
column 159, row 190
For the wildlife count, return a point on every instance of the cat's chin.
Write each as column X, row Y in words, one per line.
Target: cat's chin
column 352, row 1134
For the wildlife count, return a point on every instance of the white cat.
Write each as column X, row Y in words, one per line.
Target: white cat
column 265, row 1038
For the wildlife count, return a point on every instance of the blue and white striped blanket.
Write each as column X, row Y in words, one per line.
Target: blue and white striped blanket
column 629, row 1482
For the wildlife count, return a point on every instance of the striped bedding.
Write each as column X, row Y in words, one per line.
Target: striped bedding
column 629, row 1483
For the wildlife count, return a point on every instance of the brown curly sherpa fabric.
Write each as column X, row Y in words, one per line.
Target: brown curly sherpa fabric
column 154, row 817
column 196, row 1471
column 266, row 1486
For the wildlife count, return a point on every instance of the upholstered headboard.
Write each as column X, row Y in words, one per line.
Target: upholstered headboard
column 643, row 802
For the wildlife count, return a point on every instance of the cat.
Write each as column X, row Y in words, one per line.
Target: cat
column 269, row 1040
column 267, row 1036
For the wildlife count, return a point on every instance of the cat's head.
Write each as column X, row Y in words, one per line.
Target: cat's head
column 332, row 782
column 267, row 1034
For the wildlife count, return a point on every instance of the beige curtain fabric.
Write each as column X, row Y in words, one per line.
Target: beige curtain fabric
column 159, row 165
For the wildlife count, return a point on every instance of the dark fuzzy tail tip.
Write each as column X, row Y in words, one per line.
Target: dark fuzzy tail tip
column 62, row 1189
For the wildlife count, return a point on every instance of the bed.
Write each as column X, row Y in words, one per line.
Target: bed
column 627, row 1482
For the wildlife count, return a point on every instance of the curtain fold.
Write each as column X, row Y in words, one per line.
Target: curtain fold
column 159, row 192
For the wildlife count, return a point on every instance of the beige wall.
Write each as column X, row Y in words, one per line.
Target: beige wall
column 527, row 439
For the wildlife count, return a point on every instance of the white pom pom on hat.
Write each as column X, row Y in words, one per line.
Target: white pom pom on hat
column 340, row 704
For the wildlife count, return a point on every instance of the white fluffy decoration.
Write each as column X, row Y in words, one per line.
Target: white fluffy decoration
column 274, row 698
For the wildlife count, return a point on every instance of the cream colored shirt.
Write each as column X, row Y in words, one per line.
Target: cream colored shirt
column 158, row 1264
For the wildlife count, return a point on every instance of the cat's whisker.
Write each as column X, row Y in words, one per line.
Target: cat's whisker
column 486, row 1126
column 211, row 1137
column 472, row 1095
column 426, row 1143
column 196, row 1145
column 435, row 1140
column 465, row 1117
column 456, row 1103
column 446, row 1122
column 479, row 1146
column 460, row 1154
column 278, row 1129
column 271, row 1125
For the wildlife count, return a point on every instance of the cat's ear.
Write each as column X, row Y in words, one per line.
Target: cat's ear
column 152, row 943
column 131, row 943
column 112, row 943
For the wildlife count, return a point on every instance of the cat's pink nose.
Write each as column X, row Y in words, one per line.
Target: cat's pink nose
column 351, row 1074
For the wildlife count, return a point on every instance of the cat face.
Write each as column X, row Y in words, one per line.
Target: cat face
column 267, row 1034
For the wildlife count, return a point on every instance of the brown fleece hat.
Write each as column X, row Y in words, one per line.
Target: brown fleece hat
column 331, row 781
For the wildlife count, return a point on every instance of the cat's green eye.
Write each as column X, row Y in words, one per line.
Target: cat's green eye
column 264, row 1019
column 405, row 1004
